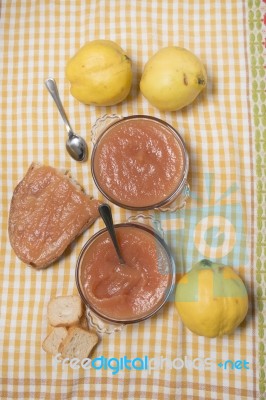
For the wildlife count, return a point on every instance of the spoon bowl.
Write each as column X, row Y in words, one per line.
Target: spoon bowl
column 76, row 146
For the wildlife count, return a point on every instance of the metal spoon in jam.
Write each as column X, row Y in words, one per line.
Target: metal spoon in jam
column 106, row 214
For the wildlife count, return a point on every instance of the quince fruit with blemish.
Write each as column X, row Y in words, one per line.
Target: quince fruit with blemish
column 173, row 78
column 211, row 299
column 100, row 73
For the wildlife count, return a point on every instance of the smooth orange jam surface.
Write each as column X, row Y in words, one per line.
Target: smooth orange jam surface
column 139, row 162
column 127, row 291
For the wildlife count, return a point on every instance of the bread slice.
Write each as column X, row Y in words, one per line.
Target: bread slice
column 48, row 211
column 78, row 343
column 64, row 310
column 52, row 342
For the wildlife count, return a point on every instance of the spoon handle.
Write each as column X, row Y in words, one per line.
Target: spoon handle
column 105, row 212
column 52, row 88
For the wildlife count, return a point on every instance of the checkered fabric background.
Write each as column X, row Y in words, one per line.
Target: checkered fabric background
column 37, row 39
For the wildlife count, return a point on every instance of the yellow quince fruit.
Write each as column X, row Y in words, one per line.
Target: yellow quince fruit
column 100, row 73
column 172, row 78
column 211, row 299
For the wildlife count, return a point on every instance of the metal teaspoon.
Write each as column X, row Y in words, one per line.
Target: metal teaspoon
column 75, row 145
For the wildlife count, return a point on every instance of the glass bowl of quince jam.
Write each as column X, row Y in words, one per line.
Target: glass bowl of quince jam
column 130, row 292
column 139, row 162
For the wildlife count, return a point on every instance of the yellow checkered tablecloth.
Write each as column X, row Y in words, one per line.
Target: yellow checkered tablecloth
column 221, row 129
